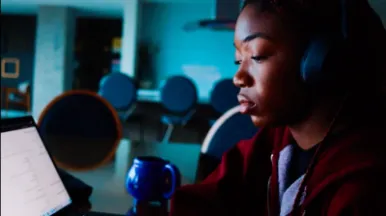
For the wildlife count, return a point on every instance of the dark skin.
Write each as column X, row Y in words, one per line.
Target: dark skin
column 272, row 92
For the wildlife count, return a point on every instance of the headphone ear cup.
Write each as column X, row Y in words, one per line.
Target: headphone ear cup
column 314, row 59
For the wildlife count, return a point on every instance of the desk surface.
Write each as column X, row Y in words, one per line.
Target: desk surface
column 154, row 95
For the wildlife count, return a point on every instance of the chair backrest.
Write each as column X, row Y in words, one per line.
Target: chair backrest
column 224, row 96
column 82, row 130
column 226, row 132
column 118, row 89
column 179, row 95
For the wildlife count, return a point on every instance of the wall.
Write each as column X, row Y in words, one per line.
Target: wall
column 18, row 40
column 204, row 55
column 93, row 37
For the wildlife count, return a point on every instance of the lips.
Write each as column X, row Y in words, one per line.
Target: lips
column 246, row 105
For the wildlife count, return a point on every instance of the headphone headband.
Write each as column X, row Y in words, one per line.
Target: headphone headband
column 297, row 7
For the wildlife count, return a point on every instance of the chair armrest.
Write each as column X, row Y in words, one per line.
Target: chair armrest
column 15, row 91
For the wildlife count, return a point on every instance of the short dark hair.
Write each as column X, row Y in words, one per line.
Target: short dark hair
column 306, row 15
column 286, row 10
column 366, row 28
column 263, row 5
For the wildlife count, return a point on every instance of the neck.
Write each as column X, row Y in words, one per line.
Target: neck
column 314, row 128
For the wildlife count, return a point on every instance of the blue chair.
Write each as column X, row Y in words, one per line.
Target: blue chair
column 225, row 133
column 179, row 99
column 120, row 90
column 223, row 97
column 81, row 129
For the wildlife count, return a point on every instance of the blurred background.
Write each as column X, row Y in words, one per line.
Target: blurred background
column 116, row 79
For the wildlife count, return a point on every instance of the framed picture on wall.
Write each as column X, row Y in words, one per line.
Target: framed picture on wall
column 6, row 64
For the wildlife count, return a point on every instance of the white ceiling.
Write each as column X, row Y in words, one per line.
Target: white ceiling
column 111, row 8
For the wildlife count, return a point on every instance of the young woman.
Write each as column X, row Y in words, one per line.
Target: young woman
column 321, row 147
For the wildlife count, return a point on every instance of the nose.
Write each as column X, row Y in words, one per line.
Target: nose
column 242, row 79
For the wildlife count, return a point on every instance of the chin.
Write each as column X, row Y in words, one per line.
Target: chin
column 259, row 121
column 263, row 121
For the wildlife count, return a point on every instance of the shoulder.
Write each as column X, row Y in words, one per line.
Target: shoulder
column 253, row 154
column 244, row 168
column 362, row 194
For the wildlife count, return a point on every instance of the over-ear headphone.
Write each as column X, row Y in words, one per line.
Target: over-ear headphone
column 318, row 51
column 319, row 48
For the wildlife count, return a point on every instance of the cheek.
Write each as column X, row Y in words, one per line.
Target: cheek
column 269, row 78
column 275, row 81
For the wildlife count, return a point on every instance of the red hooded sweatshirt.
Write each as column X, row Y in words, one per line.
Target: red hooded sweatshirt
column 349, row 177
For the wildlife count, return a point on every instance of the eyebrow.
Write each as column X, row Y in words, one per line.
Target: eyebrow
column 254, row 36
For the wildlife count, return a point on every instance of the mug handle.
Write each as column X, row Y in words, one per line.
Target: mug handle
column 176, row 181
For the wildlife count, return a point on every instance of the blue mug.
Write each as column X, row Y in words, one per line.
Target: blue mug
column 152, row 179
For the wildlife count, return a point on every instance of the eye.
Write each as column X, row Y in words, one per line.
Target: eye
column 259, row 58
column 237, row 62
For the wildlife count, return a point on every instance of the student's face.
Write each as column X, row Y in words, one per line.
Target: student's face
column 268, row 55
